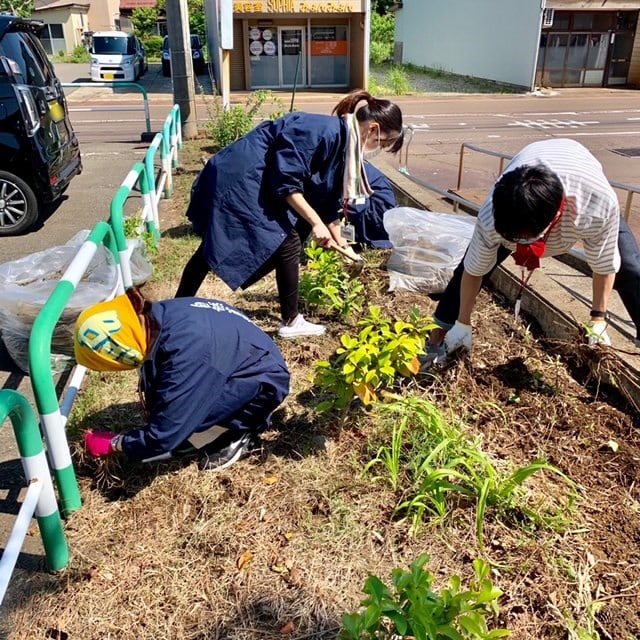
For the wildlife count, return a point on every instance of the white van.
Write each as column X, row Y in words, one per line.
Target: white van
column 116, row 55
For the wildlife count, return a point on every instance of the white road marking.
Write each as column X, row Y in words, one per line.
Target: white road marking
column 551, row 124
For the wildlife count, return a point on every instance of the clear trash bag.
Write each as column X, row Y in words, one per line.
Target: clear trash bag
column 27, row 283
column 427, row 247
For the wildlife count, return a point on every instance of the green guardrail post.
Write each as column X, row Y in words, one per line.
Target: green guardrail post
column 40, row 365
column 25, row 426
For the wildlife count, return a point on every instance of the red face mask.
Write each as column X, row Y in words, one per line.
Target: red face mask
column 528, row 253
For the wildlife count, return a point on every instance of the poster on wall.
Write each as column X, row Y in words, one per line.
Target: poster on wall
column 262, row 42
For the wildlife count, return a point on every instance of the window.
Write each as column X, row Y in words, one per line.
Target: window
column 32, row 66
column 55, row 31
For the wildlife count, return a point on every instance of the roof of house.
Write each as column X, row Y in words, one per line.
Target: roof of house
column 134, row 4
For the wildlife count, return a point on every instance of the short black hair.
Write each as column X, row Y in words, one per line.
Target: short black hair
column 525, row 201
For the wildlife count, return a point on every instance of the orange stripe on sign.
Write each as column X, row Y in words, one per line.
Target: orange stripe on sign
column 329, row 47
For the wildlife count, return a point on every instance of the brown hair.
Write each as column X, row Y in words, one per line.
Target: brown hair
column 386, row 113
column 141, row 305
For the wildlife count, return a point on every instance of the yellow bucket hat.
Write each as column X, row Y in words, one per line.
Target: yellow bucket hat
column 108, row 336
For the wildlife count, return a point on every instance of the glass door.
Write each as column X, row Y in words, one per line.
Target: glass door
column 621, row 45
column 292, row 58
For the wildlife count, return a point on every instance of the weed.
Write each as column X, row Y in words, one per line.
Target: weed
column 228, row 125
column 441, row 461
column 414, row 610
column 134, row 228
column 399, row 81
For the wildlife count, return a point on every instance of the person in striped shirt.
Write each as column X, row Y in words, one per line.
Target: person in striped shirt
column 551, row 195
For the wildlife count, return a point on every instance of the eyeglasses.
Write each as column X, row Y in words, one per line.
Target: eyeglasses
column 528, row 240
column 543, row 233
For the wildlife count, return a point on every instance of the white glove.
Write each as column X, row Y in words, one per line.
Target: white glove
column 597, row 333
column 458, row 337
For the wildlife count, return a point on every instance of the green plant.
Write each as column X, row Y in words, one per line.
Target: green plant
column 382, row 351
column 438, row 459
column 325, row 283
column 399, row 81
column 135, row 228
column 228, row 125
column 382, row 37
column 152, row 47
column 414, row 610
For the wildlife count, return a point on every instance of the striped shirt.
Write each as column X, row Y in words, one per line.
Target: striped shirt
column 591, row 213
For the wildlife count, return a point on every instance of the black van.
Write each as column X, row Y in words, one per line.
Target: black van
column 39, row 152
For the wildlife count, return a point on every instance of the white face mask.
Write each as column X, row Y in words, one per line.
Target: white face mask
column 369, row 154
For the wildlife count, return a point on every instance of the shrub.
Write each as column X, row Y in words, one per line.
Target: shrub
column 152, row 47
column 372, row 361
column 325, row 283
column 228, row 125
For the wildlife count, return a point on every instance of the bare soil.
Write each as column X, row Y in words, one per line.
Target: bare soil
column 280, row 544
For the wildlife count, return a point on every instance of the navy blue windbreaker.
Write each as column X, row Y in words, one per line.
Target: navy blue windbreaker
column 368, row 218
column 208, row 361
column 238, row 200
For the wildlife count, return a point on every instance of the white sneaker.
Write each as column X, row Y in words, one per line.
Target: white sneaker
column 300, row 327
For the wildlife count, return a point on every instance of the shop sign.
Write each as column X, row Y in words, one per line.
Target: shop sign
column 299, row 6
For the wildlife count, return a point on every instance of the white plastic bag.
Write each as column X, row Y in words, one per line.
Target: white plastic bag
column 27, row 283
column 427, row 247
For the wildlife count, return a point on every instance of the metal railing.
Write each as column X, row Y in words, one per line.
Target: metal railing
column 629, row 188
column 40, row 499
column 457, row 199
column 52, row 418
column 113, row 85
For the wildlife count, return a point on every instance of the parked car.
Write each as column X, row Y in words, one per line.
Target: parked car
column 197, row 55
column 116, row 55
column 39, row 151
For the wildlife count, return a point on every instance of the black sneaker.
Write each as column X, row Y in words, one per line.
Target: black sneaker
column 219, row 459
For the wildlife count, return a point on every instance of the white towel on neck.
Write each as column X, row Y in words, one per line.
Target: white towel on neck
column 355, row 186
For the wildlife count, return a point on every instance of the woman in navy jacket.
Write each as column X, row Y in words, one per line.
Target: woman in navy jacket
column 210, row 378
column 258, row 199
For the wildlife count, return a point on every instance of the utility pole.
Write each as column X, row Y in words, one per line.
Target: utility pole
column 182, row 65
column 219, row 16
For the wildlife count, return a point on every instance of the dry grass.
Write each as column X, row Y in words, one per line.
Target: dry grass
column 279, row 545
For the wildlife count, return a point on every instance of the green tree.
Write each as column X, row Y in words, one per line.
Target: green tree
column 22, row 8
column 382, row 37
column 197, row 21
column 381, row 7
column 144, row 20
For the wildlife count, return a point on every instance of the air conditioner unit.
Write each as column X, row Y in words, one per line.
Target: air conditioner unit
column 547, row 18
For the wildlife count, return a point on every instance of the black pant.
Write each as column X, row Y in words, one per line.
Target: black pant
column 285, row 261
column 627, row 282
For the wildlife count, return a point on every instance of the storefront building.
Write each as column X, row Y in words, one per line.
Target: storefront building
column 525, row 43
column 280, row 44
column 588, row 48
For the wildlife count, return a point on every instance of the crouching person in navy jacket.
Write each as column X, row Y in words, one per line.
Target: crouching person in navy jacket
column 210, row 378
